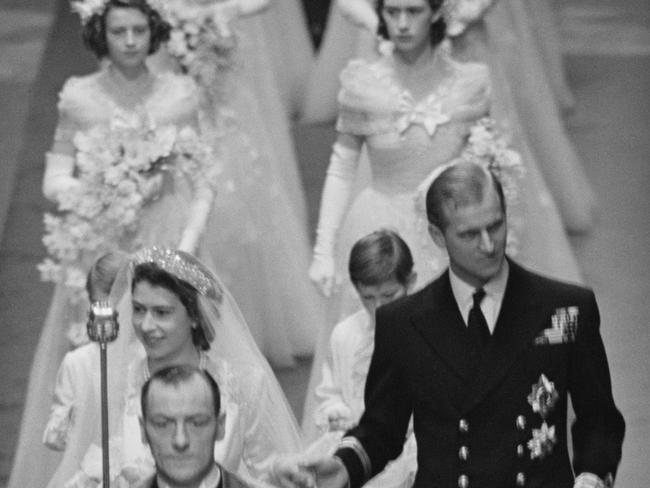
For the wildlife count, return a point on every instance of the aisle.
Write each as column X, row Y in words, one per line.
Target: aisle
column 610, row 127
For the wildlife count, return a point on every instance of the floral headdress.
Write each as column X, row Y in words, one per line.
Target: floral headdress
column 458, row 14
column 87, row 8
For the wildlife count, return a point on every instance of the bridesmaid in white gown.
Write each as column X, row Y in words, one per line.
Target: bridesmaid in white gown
column 500, row 36
column 413, row 110
column 121, row 96
column 257, row 232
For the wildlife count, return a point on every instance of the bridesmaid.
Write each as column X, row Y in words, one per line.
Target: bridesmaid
column 164, row 201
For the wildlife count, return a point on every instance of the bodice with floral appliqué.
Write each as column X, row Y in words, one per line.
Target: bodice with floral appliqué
column 88, row 101
column 406, row 138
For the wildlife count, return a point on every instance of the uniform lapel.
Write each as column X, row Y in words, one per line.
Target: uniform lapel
column 518, row 323
column 439, row 322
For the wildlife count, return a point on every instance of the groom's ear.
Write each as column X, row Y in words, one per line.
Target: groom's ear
column 221, row 425
column 143, row 431
column 437, row 235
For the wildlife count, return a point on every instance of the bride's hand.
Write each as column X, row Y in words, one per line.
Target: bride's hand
column 322, row 273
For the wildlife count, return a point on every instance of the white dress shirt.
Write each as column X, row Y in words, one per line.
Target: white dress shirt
column 491, row 303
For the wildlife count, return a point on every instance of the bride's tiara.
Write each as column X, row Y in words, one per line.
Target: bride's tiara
column 87, row 8
column 180, row 264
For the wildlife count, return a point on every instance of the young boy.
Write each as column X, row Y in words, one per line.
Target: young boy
column 381, row 269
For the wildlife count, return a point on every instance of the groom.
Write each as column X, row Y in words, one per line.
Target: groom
column 484, row 358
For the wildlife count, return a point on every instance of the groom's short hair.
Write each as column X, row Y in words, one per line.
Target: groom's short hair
column 176, row 375
column 461, row 184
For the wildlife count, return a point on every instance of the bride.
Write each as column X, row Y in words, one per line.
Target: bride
column 127, row 168
column 181, row 314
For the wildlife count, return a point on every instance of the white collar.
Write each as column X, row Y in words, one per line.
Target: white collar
column 211, row 480
column 494, row 290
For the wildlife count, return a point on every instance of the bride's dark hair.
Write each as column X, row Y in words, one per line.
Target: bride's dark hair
column 438, row 28
column 186, row 293
column 94, row 31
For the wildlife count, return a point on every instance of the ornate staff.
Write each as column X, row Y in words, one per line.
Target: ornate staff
column 103, row 328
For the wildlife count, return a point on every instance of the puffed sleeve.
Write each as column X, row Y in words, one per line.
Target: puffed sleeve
column 472, row 98
column 68, row 107
column 367, row 100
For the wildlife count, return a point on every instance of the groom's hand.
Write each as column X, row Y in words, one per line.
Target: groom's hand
column 329, row 472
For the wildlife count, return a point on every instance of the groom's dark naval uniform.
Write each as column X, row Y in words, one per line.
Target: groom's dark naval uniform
column 471, row 410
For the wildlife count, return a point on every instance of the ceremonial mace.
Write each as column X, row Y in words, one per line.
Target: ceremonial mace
column 103, row 328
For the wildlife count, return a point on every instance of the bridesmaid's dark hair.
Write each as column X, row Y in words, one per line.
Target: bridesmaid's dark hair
column 186, row 293
column 94, row 31
column 379, row 257
column 438, row 28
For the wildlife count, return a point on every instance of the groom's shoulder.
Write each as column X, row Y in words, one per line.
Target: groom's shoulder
column 543, row 285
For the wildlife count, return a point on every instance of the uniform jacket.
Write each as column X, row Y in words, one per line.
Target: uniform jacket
column 473, row 419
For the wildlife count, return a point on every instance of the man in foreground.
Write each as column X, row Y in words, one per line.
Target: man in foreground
column 181, row 422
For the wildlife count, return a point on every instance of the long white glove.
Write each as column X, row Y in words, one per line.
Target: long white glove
column 198, row 217
column 58, row 175
column 361, row 13
column 334, row 202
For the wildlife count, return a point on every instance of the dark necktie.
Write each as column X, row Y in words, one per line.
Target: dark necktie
column 476, row 323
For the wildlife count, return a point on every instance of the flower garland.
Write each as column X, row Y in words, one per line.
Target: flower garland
column 119, row 169
column 488, row 146
column 459, row 14
column 86, row 9
column 202, row 40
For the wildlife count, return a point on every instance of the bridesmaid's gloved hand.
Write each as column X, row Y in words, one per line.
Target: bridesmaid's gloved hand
column 339, row 417
column 58, row 177
column 322, row 272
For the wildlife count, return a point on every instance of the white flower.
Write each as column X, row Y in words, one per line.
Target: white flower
column 543, row 441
